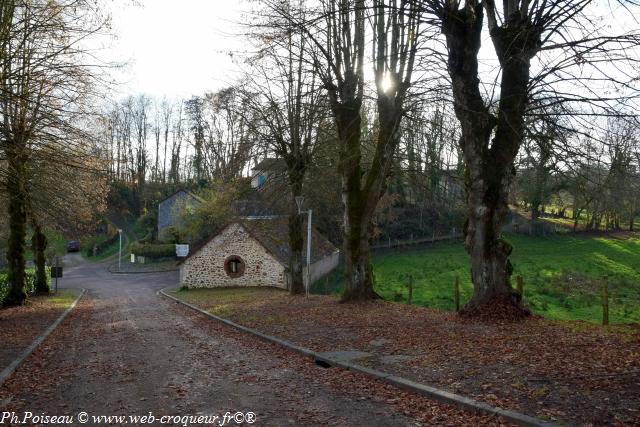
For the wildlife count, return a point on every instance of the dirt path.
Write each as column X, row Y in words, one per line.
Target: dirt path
column 126, row 351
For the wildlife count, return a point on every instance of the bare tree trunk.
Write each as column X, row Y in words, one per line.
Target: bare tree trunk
column 576, row 219
column 357, row 220
column 166, row 114
column 17, row 228
column 490, row 267
column 296, row 239
column 535, row 212
column 156, row 168
column 39, row 245
column 118, row 173
column 489, row 143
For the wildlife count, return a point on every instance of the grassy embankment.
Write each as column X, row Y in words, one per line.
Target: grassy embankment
column 563, row 276
column 131, row 231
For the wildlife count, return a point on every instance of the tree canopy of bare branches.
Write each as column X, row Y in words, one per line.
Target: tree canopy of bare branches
column 46, row 79
column 522, row 33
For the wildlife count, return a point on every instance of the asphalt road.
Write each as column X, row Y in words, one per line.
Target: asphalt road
column 125, row 351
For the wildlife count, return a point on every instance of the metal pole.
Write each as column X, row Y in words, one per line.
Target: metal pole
column 120, row 251
column 309, row 253
column 57, row 272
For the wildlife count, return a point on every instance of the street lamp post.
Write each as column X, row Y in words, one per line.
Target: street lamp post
column 120, row 250
column 300, row 202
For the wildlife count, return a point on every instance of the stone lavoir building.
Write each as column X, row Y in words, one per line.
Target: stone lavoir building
column 253, row 252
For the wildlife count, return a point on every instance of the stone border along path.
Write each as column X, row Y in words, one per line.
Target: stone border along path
column 436, row 394
column 9, row 370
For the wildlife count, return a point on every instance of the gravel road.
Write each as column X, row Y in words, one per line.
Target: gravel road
column 126, row 351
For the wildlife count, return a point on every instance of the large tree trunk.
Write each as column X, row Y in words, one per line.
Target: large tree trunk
column 361, row 198
column 489, row 143
column 394, row 58
column 296, row 239
column 358, row 270
column 576, row 219
column 17, row 229
column 487, row 204
column 535, row 212
column 296, row 243
column 489, row 251
column 358, row 274
column 39, row 245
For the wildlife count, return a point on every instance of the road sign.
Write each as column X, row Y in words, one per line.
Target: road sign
column 56, row 272
column 182, row 251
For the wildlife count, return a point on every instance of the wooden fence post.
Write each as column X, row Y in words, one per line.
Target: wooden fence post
column 520, row 287
column 456, row 293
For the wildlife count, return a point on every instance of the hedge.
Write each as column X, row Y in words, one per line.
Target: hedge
column 101, row 246
column 30, row 282
column 154, row 250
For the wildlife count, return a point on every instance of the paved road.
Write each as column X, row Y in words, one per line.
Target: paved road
column 126, row 351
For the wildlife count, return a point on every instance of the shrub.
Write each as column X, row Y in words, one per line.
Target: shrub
column 172, row 234
column 30, row 279
column 144, row 227
column 4, row 287
column 154, row 251
column 30, row 282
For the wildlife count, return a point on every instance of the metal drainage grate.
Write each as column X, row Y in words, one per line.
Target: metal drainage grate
column 322, row 364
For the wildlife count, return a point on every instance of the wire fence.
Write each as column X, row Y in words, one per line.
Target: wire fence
column 395, row 244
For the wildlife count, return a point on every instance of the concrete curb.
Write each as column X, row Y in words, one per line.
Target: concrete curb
column 436, row 394
column 140, row 272
column 9, row 370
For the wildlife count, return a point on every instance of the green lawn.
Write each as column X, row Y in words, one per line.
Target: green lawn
column 63, row 298
column 563, row 222
column 563, row 276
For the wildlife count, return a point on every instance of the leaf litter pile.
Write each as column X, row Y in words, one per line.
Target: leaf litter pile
column 566, row 372
column 19, row 326
column 39, row 381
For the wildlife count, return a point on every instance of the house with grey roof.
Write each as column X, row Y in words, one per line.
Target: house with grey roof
column 170, row 209
column 253, row 252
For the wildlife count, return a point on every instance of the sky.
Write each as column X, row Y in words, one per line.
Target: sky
column 174, row 48
column 180, row 48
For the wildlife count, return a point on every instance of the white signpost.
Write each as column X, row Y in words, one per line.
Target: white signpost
column 300, row 203
column 182, row 251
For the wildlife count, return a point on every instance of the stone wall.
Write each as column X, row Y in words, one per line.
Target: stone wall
column 324, row 266
column 206, row 268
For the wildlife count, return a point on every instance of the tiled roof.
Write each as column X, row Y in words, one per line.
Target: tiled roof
column 271, row 164
column 273, row 234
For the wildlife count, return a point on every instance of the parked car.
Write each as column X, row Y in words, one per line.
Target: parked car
column 73, row 246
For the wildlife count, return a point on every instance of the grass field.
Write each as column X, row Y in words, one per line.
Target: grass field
column 563, row 276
